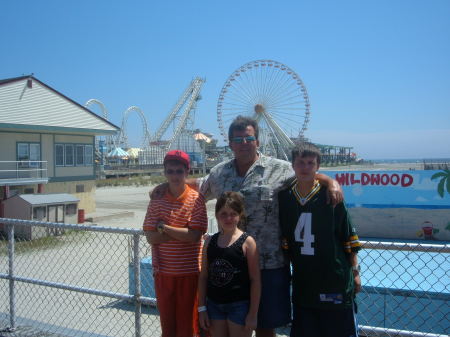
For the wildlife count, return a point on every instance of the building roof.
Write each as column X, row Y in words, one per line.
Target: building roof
column 133, row 152
column 118, row 152
column 46, row 199
column 202, row 136
column 29, row 104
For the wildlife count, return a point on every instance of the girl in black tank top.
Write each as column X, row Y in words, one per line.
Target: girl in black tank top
column 229, row 282
column 228, row 279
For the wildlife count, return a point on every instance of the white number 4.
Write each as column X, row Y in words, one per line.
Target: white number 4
column 304, row 227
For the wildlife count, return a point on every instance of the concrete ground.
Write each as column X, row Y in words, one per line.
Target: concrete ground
column 28, row 331
column 125, row 207
column 120, row 206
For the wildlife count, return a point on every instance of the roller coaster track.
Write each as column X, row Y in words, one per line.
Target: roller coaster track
column 122, row 138
column 187, row 100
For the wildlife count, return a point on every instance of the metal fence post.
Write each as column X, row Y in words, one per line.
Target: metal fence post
column 137, row 285
column 12, row 299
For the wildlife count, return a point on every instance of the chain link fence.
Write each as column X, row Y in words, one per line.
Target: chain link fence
column 406, row 289
column 76, row 282
column 82, row 281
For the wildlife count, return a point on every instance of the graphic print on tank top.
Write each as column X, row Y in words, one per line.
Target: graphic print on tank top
column 221, row 272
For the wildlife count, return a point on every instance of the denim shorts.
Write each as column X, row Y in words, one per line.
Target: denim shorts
column 235, row 312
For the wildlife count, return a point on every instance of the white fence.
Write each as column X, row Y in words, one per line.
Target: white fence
column 23, row 171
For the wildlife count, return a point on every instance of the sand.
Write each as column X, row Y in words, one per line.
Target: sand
column 125, row 207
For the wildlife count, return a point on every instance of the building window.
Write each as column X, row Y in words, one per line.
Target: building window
column 29, row 152
column 80, row 155
column 69, row 160
column 59, row 155
column 39, row 213
column 71, row 209
column 35, row 154
column 88, row 155
column 73, row 154
column 23, row 151
column 79, row 188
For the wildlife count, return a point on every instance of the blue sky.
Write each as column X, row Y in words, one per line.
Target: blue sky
column 377, row 72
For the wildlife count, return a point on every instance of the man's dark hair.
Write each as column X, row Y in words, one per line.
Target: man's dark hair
column 303, row 150
column 240, row 123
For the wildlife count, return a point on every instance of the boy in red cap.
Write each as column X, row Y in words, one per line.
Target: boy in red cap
column 174, row 226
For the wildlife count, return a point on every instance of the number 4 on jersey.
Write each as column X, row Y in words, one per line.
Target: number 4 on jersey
column 303, row 234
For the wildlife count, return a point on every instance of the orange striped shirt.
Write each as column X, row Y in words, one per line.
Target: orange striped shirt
column 187, row 211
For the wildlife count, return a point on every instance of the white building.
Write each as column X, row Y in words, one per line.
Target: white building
column 47, row 142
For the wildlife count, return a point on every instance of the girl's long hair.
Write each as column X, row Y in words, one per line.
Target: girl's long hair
column 235, row 201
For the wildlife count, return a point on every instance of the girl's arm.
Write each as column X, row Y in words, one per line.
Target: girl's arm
column 202, row 284
column 251, row 252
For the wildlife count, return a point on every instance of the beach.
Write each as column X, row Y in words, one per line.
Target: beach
column 125, row 207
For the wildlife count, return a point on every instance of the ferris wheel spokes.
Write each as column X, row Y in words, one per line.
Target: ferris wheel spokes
column 278, row 133
column 272, row 93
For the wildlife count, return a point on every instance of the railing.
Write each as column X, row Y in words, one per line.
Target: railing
column 406, row 289
column 85, row 282
column 436, row 164
column 23, row 171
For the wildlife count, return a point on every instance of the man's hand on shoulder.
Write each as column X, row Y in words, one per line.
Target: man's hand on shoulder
column 335, row 193
column 193, row 183
column 159, row 191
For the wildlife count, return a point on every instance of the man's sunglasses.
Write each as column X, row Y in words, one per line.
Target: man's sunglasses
column 240, row 140
column 177, row 172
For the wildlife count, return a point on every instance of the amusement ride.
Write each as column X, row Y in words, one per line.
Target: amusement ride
column 275, row 96
column 122, row 137
column 266, row 90
column 102, row 143
column 153, row 147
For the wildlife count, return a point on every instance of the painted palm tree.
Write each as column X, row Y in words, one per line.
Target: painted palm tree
column 444, row 181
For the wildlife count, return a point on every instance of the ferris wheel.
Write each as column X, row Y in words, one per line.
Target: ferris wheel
column 274, row 95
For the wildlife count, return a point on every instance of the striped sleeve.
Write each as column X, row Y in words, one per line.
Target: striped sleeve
column 350, row 240
column 152, row 216
column 199, row 220
column 353, row 244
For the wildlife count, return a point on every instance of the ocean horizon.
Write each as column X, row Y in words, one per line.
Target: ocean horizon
column 409, row 160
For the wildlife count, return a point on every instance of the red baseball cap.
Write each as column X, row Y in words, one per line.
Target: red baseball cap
column 178, row 155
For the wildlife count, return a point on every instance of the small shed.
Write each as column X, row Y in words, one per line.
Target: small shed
column 53, row 207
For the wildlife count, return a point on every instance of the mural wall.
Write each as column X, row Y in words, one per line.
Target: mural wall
column 398, row 204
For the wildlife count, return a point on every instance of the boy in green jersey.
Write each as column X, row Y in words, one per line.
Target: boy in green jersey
column 322, row 245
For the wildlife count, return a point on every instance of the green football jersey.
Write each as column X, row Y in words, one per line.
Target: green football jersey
column 319, row 240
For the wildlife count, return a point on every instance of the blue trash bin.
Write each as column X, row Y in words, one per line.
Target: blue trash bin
column 147, row 282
